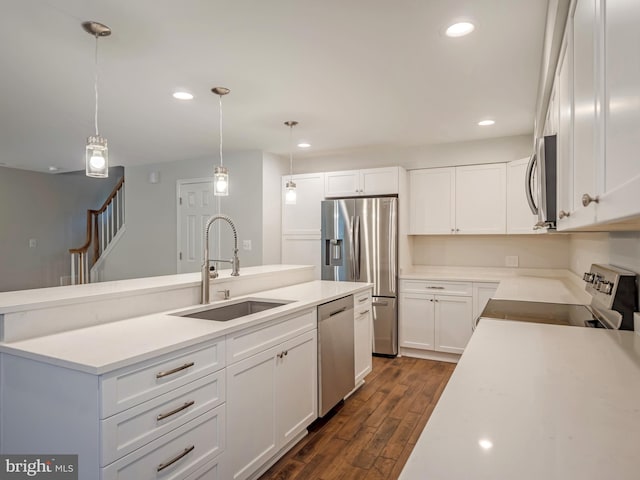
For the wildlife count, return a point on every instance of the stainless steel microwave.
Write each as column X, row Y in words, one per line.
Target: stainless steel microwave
column 540, row 182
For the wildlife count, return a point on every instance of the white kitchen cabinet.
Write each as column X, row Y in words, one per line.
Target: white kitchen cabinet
column 301, row 223
column 441, row 321
column 620, row 187
column 519, row 217
column 453, row 322
column 303, row 218
column 481, row 199
column 111, row 421
column 482, row 293
column 363, row 336
column 271, row 392
column 417, row 321
column 432, row 197
column 458, row 200
column 598, row 75
column 372, row 181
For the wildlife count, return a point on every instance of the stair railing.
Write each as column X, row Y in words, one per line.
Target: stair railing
column 102, row 226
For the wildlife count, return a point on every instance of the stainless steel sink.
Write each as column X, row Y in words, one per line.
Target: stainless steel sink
column 226, row 312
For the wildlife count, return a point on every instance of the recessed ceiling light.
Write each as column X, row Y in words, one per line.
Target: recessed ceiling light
column 183, row 95
column 460, row 29
column 486, row 123
column 53, row 169
column 304, row 145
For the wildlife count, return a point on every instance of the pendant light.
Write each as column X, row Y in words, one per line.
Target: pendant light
column 290, row 187
column 96, row 153
column 220, row 173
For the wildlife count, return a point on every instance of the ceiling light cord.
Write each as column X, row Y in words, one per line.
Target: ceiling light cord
column 95, row 86
column 291, row 152
column 220, row 100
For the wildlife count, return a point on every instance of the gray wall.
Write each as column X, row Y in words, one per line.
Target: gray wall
column 50, row 209
column 149, row 245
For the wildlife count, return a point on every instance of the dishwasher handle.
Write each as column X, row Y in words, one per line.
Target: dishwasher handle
column 337, row 311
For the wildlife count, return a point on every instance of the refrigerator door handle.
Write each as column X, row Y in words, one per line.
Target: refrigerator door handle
column 352, row 261
column 356, row 247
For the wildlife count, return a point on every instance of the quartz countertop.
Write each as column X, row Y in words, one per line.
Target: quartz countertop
column 525, row 284
column 533, row 401
column 103, row 348
column 21, row 300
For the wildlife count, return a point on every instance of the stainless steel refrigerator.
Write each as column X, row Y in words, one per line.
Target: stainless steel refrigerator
column 360, row 244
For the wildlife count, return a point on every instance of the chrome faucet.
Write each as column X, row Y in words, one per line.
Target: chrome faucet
column 235, row 261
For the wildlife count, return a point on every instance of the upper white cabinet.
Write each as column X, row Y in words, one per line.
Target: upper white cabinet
column 304, row 216
column 519, row 216
column 481, row 199
column 372, row 181
column 301, row 222
column 432, row 200
column 598, row 82
column 620, row 194
column 460, row 200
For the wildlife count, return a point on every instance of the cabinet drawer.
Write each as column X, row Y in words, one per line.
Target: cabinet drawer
column 126, row 431
column 361, row 302
column 211, row 471
column 133, row 385
column 436, row 287
column 181, row 452
column 248, row 342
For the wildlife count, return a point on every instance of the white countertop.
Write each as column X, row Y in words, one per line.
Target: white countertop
column 554, row 402
column 21, row 300
column 526, row 284
column 103, row 348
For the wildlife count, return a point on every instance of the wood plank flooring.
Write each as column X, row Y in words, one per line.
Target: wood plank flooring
column 372, row 434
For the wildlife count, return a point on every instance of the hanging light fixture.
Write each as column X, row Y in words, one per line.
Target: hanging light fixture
column 220, row 173
column 290, row 187
column 96, row 153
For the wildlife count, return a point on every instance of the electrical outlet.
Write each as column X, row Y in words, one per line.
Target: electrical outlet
column 511, row 261
column 33, row 243
column 246, row 244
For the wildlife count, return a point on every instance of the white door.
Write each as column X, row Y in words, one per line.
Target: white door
column 432, row 201
column 453, row 320
column 481, row 199
column 251, row 407
column 196, row 204
column 416, row 322
column 342, row 184
column 379, row 181
column 362, row 342
column 296, row 386
column 482, row 293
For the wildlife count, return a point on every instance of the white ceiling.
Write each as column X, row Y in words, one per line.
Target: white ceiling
column 354, row 73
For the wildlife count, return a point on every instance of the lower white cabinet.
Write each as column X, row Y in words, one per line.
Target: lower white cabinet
column 440, row 322
column 363, row 336
column 272, row 398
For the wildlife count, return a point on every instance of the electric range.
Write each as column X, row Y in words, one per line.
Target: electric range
column 614, row 299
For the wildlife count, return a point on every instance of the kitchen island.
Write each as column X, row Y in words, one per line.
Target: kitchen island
column 532, row 401
column 137, row 390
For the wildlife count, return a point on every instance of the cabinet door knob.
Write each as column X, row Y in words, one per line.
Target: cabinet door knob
column 587, row 199
column 452, row 230
column 563, row 214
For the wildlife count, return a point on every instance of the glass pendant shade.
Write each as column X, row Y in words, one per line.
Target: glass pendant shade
column 221, row 181
column 290, row 195
column 97, row 157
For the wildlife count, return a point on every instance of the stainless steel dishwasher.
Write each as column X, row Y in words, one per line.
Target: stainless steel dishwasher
column 336, row 369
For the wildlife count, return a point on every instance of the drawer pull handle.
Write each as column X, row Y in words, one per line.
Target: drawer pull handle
column 185, row 452
column 174, row 370
column 363, row 299
column 365, row 312
column 162, row 416
column 435, row 288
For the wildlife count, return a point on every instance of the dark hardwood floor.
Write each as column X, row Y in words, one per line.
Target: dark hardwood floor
column 372, row 434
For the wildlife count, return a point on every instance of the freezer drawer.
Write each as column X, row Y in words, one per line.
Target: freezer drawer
column 385, row 325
